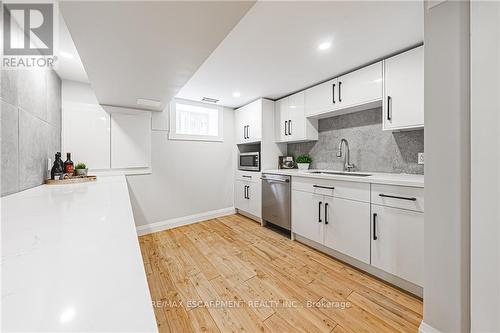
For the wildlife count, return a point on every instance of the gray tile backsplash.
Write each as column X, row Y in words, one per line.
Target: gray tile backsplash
column 31, row 126
column 371, row 148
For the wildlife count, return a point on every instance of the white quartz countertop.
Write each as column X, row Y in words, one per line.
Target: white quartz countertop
column 71, row 260
column 401, row 179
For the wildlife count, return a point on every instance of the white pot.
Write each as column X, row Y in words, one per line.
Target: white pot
column 303, row 166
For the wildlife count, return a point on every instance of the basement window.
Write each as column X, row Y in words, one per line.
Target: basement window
column 195, row 121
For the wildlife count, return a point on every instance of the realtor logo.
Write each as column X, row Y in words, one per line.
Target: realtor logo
column 28, row 29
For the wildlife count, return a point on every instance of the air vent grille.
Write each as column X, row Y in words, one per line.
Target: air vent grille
column 209, row 100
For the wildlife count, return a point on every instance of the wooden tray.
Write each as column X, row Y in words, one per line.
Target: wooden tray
column 72, row 180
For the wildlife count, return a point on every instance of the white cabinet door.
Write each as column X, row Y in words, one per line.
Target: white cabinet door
column 130, row 140
column 296, row 117
column 397, row 242
column 253, row 116
column 321, row 98
column 240, row 191
column 307, row 215
column 281, row 119
column 403, row 105
column 347, row 227
column 254, row 196
column 360, row 87
column 240, row 122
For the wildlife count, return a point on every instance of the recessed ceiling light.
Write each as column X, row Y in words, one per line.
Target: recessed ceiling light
column 148, row 102
column 209, row 100
column 236, row 94
column 324, row 46
column 66, row 55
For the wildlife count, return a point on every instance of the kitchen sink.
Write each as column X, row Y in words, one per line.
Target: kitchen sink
column 340, row 173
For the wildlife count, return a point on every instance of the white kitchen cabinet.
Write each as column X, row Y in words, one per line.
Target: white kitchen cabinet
column 403, row 104
column 347, row 227
column 355, row 91
column 360, row 87
column 333, row 219
column 247, row 193
column 397, row 244
column 291, row 122
column 307, row 211
column 320, row 98
column 248, row 121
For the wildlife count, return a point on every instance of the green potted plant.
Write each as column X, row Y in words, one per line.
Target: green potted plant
column 81, row 169
column 303, row 161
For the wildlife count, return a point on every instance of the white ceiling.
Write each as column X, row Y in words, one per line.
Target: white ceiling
column 273, row 50
column 136, row 49
column 68, row 66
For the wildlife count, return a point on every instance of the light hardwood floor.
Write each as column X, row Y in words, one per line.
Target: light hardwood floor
column 231, row 275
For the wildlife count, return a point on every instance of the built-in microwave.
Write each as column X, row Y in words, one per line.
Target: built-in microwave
column 249, row 161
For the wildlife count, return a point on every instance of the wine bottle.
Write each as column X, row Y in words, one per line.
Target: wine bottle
column 68, row 165
column 58, row 168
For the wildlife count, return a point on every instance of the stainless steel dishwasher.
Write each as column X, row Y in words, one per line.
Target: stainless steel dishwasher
column 276, row 200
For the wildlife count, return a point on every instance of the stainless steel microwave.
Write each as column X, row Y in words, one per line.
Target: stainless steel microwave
column 249, row 161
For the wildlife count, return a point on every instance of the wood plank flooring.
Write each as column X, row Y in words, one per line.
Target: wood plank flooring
column 231, row 275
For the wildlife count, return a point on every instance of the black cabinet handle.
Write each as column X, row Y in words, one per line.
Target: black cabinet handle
column 246, row 176
column 248, row 131
column 289, row 127
column 248, row 192
column 375, row 226
column 319, row 212
column 326, row 212
column 396, row 197
column 245, row 192
column 286, row 124
column 244, row 132
column 389, row 116
column 340, row 91
column 333, row 93
column 326, row 187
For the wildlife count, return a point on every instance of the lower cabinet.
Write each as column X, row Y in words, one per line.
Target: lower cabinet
column 397, row 242
column 347, row 227
column 248, row 197
column 381, row 225
column 338, row 223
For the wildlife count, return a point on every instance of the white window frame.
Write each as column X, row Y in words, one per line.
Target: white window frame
column 172, row 133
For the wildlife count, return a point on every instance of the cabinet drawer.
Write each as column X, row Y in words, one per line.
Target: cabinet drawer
column 335, row 188
column 248, row 176
column 404, row 197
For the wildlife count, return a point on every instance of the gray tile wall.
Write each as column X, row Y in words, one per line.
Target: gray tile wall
column 30, row 126
column 372, row 149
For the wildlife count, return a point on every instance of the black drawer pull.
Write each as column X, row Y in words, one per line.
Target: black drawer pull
column 246, row 176
column 326, row 212
column 396, row 197
column 389, row 116
column 326, row 187
column 319, row 212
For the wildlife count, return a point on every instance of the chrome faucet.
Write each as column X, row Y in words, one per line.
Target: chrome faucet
column 347, row 163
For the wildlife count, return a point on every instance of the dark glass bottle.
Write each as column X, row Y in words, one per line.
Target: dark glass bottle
column 58, row 168
column 68, row 164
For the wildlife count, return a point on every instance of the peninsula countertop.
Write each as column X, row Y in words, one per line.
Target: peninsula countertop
column 71, row 260
column 401, row 179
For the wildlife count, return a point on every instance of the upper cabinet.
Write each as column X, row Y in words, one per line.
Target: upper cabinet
column 355, row 91
column 249, row 122
column 403, row 105
column 291, row 122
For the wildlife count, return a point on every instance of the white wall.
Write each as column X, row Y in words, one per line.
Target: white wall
column 447, row 167
column 189, row 177
column 485, row 166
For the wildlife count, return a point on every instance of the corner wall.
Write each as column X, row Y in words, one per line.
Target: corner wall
column 31, row 126
column 447, row 167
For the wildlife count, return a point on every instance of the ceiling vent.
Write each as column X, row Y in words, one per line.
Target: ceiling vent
column 209, row 100
column 149, row 102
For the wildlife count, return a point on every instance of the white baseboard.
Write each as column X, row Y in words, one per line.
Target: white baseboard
column 185, row 220
column 425, row 328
